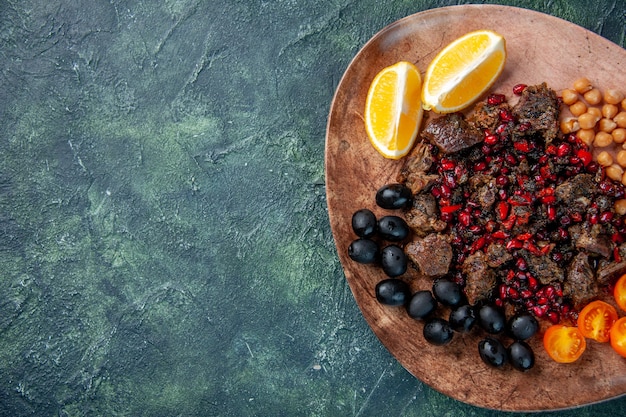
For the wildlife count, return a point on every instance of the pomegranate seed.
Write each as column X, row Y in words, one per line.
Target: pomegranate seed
column 505, row 115
column 446, row 192
column 551, row 211
column 606, row 217
column 532, row 282
column 451, row 209
column 501, row 129
column 495, row 99
column 498, row 302
column 503, row 291
column 553, row 316
column 522, row 146
column 594, row 218
column 513, row 293
column 523, row 127
column 480, row 166
column 521, row 264
column 491, row 140
column 476, row 229
column 479, row 244
column 576, row 217
column 500, row 234
column 446, row 217
column 540, row 311
column 526, row 294
column 563, row 150
column 514, row 244
column 490, row 226
column 510, row 158
column 524, row 236
column 565, row 220
column 447, row 164
column 551, row 150
column 549, row 199
column 502, row 180
column 518, row 89
column 509, row 222
column 542, row 301
column 503, row 210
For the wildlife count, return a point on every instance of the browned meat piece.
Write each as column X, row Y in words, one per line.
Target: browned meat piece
column 423, row 217
column 484, row 190
column 576, row 192
column 543, row 268
column 431, row 254
column 609, row 270
column 480, row 280
column 497, row 255
column 580, row 286
column 487, row 116
column 414, row 172
column 592, row 239
column 538, row 108
column 451, row 133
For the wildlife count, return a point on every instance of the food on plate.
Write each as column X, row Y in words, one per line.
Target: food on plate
column 596, row 319
column 521, row 356
column 393, row 292
column 493, row 352
column 393, row 109
column 463, row 71
column 437, row 331
column 564, row 344
column 619, row 292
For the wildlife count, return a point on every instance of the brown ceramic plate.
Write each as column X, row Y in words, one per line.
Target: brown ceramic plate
column 540, row 48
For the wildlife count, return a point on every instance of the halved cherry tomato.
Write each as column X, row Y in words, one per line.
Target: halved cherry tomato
column 618, row 336
column 620, row 292
column 564, row 344
column 596, row 319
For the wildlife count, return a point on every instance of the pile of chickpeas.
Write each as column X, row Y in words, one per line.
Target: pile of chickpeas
column 599, row 120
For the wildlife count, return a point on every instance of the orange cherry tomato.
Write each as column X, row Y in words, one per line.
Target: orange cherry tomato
column 620, row 292
column 564, row 344
column 596, row 319
column 618, row 336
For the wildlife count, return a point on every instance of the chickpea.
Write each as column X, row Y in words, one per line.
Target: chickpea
column 569, row 96
column 624, row 104
column 582, row 85
column 615, row 172
column 605, row 159
column 586, row 136
column 619, row 135
column 596, row 112
column 602, row 140
column 587, row 120
column 607, row 125
column 578, row 108
column 612, row 96
column 620, row 119
column 609, row 110
column 620, row 205
column 569, row 125
column 621, row 158
column 593, row 96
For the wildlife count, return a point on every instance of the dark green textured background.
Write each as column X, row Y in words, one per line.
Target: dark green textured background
column 164, row 240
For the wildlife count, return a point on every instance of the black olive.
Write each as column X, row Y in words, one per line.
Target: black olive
column 422, row 305
column 393, row 260
column 393, row 228
column 393, row 196
column 492, row 352
column 448, row 293
column 491, row 319
column 462, row 318
column 522, row 326
column 363, row 251
column 393, row 292
column 521, row 356
column 438, row 331
column 364, row 223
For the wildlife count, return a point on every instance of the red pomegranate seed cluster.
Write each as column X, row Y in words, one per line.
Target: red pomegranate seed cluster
column 521, row 197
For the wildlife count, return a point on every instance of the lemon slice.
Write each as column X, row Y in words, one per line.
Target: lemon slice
column 393, row 109
column 463, row 71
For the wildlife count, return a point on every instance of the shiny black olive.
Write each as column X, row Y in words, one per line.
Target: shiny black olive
column 462, row 318
column 491, row 319
column 448, row 293
column 393, row 261
column 438, row 332
column 393, row 292
column 522, row 326
column 492, row 352
column 521, row 356
column 422, row 304
column 393, row 196
column 393, row 228
column 363, row 251
column 364, row 223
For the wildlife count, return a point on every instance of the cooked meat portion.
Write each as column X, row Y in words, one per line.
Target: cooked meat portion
column 609, row 270
column 451, row 133
column 543, row 268
column 414, row 173
column 538, row 109
column 480, row 280
column 497, row 255
column 487, row 116
column 581, row 286
column 431, row 254
column 484, row 190
column 576, row 192
column 423, row 217
column 592, row 239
